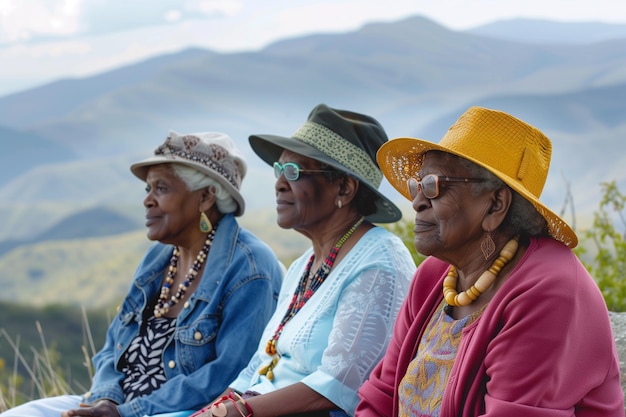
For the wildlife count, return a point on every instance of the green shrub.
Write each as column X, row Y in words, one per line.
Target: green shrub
column 602, row 248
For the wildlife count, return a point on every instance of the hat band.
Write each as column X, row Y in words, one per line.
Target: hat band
column 170, row 151
column 330, row 143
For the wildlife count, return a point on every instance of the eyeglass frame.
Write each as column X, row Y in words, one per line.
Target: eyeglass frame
column 279, row 169
column 438, row 178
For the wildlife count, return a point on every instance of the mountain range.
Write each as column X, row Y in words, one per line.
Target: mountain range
column 68, row 144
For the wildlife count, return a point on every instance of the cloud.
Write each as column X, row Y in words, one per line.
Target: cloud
column 41, row 20
column 43, row 40
column 23, row 20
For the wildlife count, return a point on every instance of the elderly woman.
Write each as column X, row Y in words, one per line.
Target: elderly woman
column 340, row 298
column 501, row 319
column 199, row 300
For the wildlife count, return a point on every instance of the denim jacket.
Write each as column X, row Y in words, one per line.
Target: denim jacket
column 216, row 333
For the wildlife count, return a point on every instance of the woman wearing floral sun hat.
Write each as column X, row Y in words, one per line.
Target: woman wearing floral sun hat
column 340, row 298
column 199, row 299
column 501, row 319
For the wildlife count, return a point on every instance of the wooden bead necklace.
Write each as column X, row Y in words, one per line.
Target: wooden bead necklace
column 486, row 279
column 306, row 288
column 165, row 301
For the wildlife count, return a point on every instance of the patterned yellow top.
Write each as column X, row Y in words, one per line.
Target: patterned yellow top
column 421, row 390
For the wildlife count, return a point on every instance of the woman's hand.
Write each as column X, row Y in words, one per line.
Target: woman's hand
column 102, row 408
column 231, row 405
column 223, row 408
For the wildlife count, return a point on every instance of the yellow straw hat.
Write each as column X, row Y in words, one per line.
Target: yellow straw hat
column 516, row 152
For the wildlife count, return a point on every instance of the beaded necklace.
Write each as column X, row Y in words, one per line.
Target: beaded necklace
column 164, row 302
column 305, row 290
column 486, row 279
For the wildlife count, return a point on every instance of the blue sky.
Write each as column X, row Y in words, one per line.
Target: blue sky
column 44, row 40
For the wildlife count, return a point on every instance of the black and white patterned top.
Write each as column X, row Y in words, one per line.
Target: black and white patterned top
column 143, row 366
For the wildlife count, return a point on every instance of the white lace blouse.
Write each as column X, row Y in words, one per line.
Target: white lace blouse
column 342, row 332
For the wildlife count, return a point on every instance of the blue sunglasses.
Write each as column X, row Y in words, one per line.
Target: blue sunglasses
column 292, row 171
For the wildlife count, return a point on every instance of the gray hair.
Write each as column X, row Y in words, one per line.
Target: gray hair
column 522, row 218
column 196, row 180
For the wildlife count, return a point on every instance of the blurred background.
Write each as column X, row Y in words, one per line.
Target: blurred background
column 89, row 86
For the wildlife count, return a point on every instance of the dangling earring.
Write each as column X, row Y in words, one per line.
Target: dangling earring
column 487, row 246
column 339, row 204
column 205, row 223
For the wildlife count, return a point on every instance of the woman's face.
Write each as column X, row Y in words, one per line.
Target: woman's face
column 450, row 225
column 172, row 212
column 306, row 203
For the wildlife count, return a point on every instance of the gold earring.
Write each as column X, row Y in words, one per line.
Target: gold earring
column 205, row 223
column 487, row 246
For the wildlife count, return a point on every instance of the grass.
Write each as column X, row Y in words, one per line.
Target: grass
column 40, row 375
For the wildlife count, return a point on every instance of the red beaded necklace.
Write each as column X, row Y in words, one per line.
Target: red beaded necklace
column 305, row 290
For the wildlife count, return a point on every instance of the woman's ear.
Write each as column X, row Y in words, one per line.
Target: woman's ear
column 207, row 198
column 348, row 188
column 500, row 204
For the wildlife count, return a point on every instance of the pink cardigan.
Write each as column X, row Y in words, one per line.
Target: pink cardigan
column 542, row 347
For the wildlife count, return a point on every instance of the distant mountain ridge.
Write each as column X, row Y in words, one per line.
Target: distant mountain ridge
column 123, row 110
column 548, row 31
column 24, row 151
column 412, row 75
column 415, row 76
column 94, row 222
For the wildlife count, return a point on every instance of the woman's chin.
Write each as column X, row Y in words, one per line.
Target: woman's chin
column 152, row 235
column 422, row 247
column 283, row 222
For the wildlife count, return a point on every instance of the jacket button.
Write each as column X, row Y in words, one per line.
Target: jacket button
column 87, row 395
column 171, row 364
column 197, row 335
column 128, row 317
column 186, row 304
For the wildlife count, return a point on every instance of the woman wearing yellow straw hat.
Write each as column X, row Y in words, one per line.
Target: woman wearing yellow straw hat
column 501, row 319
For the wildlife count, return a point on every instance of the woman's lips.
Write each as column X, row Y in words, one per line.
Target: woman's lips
column 282, row 203
column 422, row 226
column 150, row 220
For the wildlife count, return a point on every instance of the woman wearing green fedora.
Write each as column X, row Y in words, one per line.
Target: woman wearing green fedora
column 501, row 319
column 339, row 300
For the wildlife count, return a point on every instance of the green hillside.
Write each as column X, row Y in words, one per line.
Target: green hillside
column 96, row 272
column 92, row 272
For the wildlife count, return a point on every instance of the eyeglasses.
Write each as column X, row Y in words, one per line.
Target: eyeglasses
column 292, row 170
column 431, row 184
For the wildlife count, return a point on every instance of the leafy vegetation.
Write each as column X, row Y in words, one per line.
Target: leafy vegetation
column 606, row 244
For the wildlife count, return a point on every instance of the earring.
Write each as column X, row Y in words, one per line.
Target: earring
column 487, row 246
column 205, row 223
column 339, row 204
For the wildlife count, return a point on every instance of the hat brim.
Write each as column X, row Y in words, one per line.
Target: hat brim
column 402, row 158
column 270, row 147
column 140, row 170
